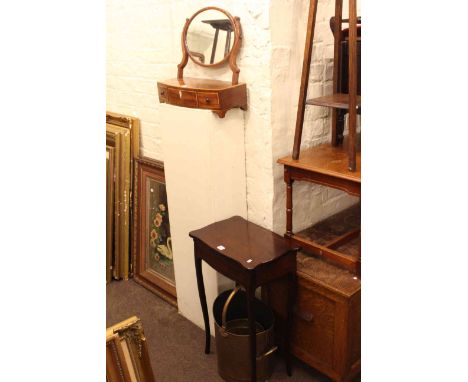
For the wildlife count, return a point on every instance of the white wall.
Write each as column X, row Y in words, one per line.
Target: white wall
column 205, row 178
column 143, row 46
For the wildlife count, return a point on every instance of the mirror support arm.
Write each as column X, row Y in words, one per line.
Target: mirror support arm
column 183, row 62
column 235, row 50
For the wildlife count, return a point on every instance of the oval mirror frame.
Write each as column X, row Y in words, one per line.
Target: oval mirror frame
column 231, row 56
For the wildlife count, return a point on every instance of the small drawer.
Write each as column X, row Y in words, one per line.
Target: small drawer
column 208, row 100
column 162, row 91
column 182, row 97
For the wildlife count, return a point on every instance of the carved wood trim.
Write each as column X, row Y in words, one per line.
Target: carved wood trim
column 185, row 56
column 352, row 188
column 336, row 257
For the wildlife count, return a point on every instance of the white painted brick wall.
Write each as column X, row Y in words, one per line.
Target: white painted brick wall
column 311, row 202
column 143, row 46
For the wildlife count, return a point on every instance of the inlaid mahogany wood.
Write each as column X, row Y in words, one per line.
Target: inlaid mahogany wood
column 251, row 256
column 215, row 95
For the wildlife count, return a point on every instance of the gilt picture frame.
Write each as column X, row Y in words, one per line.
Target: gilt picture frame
column 119, row 139
column 123, row 135
column 110, row 166
column 152, row 243
column 127, row 357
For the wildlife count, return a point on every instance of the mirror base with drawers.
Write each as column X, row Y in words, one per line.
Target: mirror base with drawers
column 211, row 38
column 214, row 95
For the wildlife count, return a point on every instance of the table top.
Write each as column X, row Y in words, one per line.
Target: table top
column 244, row 242
column 327, row 275
column 200, row 83
column 223, row 24
column 328, row 160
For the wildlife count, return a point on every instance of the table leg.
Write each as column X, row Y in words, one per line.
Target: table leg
column 289, row 321
column 289, row 202
column 253, row 342
column 228, row 43
column 201, row 293
column 215, row 43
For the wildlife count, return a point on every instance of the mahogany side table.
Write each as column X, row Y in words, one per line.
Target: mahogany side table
column 251, row 256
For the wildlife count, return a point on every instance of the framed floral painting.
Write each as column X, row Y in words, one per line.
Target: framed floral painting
column 152, row 243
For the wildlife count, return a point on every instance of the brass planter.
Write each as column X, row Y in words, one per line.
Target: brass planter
column 232, row 337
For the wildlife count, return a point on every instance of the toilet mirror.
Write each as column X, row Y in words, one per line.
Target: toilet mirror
column 211, row 37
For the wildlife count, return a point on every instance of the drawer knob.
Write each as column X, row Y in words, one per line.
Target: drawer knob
column 162, row 93
column 207, row 100
column 306, row 316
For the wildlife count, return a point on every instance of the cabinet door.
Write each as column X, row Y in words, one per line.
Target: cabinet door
column 314, row 324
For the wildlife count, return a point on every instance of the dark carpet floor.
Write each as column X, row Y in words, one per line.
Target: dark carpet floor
column 175, row 344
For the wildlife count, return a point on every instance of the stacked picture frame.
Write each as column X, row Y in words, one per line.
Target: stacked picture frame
column 139, row 242
column 122, row 147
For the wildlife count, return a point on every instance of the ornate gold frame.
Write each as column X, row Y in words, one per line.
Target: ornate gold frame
column 122, row 134
column 127, row 357
column 110, row 166
column 130, row 123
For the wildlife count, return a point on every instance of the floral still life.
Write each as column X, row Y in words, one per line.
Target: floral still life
column 160, row 239
column 159, row 247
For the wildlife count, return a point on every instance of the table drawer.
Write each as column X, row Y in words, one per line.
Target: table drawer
column 208, row 100
column 314, row 324
column 182, row 97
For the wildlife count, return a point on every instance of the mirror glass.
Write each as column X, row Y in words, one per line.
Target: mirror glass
column 210, row 37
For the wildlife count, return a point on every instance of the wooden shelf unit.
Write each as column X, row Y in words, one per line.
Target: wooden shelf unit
column 337, row 100
column 327, row 322
column 326, row 165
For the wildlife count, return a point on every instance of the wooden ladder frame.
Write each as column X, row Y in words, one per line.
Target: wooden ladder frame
column 352, row 85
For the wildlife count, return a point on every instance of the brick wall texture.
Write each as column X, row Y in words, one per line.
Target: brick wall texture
column 143, row 46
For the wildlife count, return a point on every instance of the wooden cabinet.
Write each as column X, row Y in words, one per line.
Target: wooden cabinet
column 326, row 331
